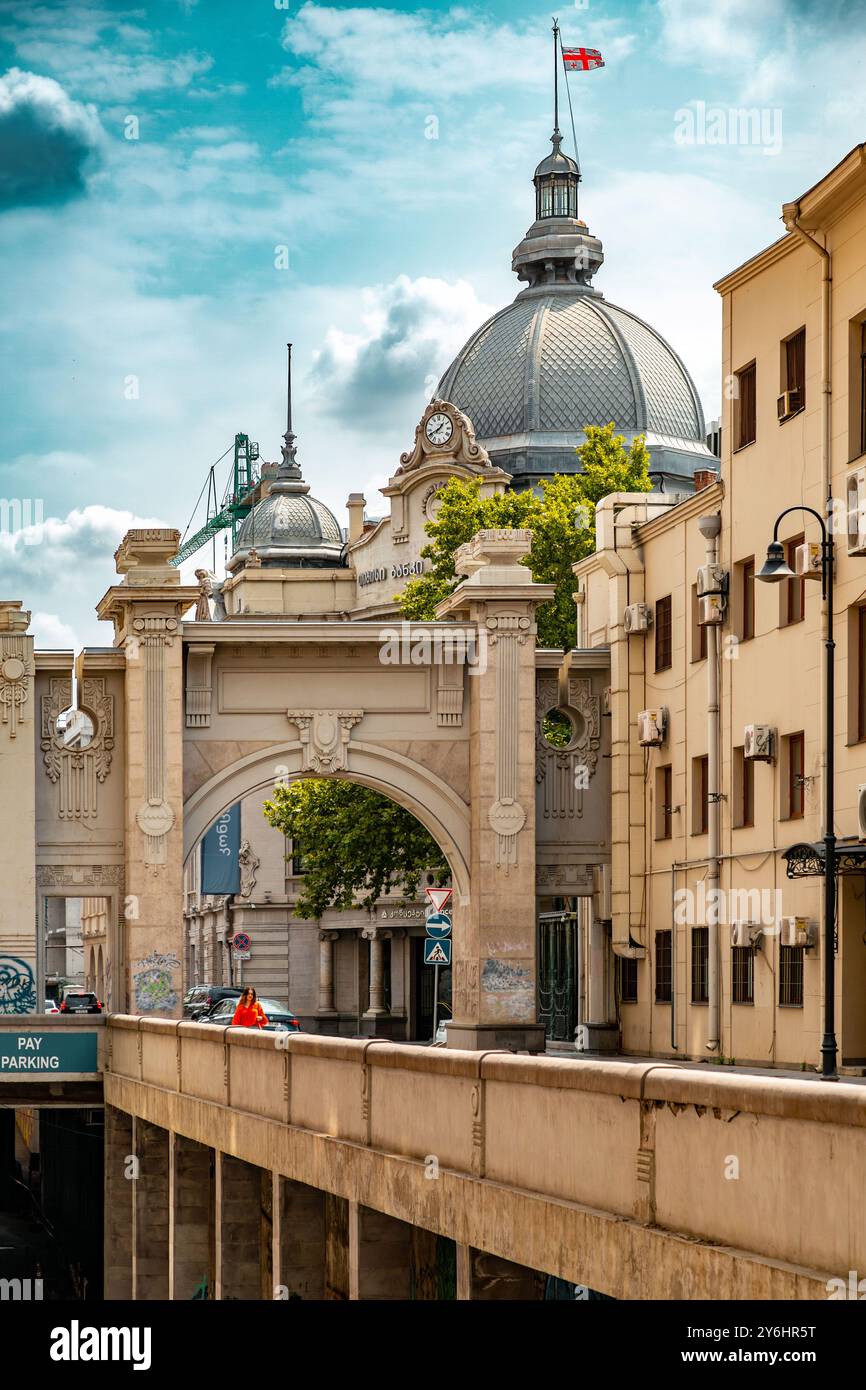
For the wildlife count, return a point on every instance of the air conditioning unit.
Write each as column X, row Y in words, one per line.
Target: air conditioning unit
column 759, row 743
column 796, row 931
column 637, row 618
column 861, row 811
column 745, row 934
column 652, row 726
column 856, row 503
column 807, row 560
column 789, row 403
column 712, row 579
column 711, row 609
column 601, row 900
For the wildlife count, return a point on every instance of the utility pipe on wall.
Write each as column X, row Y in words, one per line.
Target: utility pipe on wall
column 709, row 527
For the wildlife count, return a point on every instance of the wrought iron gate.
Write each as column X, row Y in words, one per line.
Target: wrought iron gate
column 557, row 974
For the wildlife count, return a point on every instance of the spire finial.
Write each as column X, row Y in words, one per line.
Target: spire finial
column 289, row 467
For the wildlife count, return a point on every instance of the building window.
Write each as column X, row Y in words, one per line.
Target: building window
column 664, row 800
column 794, row 367
column 791, row 976
column 297, row 860
column 793, row 776
column 700, row 795
column 793, row 597
column 747, row 600
column 743, row 809
column 743, row 974
column 745, row 431
column 664, row 967
column 627, row 976
column 700, row 965
column 699, row 631
column 664, row 651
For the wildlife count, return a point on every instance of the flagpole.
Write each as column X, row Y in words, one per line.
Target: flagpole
column 555, row 77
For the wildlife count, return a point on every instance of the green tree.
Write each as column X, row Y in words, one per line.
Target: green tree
column 561, row 518
column 356, row 844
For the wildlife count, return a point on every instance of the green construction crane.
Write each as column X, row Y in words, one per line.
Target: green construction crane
column 237, row 501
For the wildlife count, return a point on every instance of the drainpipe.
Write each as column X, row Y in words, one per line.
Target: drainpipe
column 709, row 527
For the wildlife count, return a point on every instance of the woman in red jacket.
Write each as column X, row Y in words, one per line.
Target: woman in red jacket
column 249, row 1012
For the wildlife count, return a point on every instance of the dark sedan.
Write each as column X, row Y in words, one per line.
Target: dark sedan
column 280, row 1017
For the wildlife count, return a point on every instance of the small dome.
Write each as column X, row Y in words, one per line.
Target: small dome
column 557, row 162
column 288, row 528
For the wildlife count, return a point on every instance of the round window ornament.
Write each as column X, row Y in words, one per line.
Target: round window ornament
column 74, row 728
column 558, row 729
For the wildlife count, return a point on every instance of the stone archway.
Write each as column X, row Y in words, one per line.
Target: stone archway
column 436, row 805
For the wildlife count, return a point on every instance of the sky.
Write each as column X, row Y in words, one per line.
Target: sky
column 187, row 185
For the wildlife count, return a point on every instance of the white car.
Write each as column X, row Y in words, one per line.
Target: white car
column 51, row 1007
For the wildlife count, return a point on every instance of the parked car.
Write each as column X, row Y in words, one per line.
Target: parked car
column 280, row 1017
column 79, row 1001
column 202, row 998
column 51, row 1007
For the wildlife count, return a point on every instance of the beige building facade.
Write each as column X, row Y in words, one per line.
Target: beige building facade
column 750, row 986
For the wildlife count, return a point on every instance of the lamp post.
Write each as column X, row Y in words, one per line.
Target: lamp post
column 774, row 570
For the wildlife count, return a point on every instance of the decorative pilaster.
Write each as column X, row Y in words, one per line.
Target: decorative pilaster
column 494, row 980
column 146, row 609
column 18, row 946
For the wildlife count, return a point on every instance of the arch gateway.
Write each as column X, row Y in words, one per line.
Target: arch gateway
column 297, row 665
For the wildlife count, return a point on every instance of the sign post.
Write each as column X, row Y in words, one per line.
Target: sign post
column 437, row 947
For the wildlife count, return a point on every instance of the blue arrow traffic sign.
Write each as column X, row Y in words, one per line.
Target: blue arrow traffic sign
column 437, row 952
column 438, row 925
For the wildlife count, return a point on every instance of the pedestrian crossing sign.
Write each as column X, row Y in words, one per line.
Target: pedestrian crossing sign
column 437, row 952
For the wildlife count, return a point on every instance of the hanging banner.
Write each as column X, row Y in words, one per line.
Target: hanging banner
column 220, row 869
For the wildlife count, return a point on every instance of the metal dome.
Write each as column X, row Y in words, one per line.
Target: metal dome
column 288, row 528
column 561, row 358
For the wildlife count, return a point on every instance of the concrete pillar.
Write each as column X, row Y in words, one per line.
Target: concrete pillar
column 299, row 1252
column 238, row 1234
column 379, row 1255
column 494, row 939
column 337, row 1260
column 376, row 1008
column 190, row 1218
column 119, row 1193
column 150, row 1212
column 326, row 973
column 488, row 1278
column 146, row 609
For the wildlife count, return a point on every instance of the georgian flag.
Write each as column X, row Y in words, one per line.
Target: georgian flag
column 581, row 59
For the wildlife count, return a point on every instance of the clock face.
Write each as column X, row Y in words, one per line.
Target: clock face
column 439, row 428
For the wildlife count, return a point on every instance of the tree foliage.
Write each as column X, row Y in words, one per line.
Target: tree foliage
column 356, row 844
column 561, row 517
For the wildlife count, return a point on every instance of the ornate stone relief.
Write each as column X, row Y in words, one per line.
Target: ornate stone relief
column 565, row 773
column 199, row 662
column 16, row 672
column 249, row 863
column 78, row 772
column 155, row 816
column 564, row 879
column 507, row 817
column 449, row 695
column 79, row 875
column 325, row 736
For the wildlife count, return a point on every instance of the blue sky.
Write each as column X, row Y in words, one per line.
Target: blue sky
column 146, row 298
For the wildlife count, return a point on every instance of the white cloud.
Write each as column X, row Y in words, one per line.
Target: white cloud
column 51, row 633
column 723, row 33
column 47, row 141
column 410, row 330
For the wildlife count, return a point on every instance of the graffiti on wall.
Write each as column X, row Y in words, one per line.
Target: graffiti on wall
column 17, row 986
column 153, row 983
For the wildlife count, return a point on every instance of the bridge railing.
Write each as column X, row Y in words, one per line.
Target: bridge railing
column 742, row 1160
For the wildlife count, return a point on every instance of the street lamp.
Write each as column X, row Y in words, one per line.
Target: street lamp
column 775, row 569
